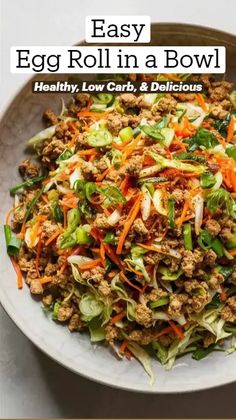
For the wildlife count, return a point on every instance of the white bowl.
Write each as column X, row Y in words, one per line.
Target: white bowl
column 74, row 351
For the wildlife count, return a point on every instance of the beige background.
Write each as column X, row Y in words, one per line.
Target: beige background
column 31, row 385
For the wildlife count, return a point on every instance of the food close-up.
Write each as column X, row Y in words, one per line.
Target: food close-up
column 124, row 223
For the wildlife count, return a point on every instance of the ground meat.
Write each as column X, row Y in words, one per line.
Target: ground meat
column 101, row 165
column 226, row 234
column 47, row 300
column 101, row 222
column 104, row 288
column 227, row 222
column 89, row 170
column 31, row 275
column 130, row 120
column 206, row 80
column 114, row 123
column 64, row 313
column 28, row 169
column 50, row 117
column 96, row 274
column 128, row 100
column 82, row 99
column 228, row 313
column 143, row 337
column 190, row 260
column 36, row 287
column 52, row 150
column 134, row 166
column 179, row 195
column 215, row 280
column 75, row 323
column 165, row 105
column 51, row 269
column 210, row 258
column 149, row 116
column 62, row 132
column 155, row 294
column 18, row 216
column 219, row 91
column 184, row 97
column 166, row 340
column 213, row 227
column 25, row 264
column 152, row 258
column 141, row 103
column 192, row 286
column 140, row 228
column 197, row 303
column 48, row 229
column 143, row 315
column 217, row 111
column 209, row 339
column 176, row 304
column 113, row 176
column 111, row 333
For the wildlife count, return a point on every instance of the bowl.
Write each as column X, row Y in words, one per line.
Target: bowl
column 20, row 121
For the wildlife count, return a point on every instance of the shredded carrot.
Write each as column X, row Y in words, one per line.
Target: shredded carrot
column 46, row 181
column 38, row 251
column 128, row 150
column 18, row 273
column 223, row 295
column 181, row 219
column 233, row 252
column 118, row 317
column 172, row 77
column 126, row 280
column 106, row 212
column 63, row 267
column 9, row 215
column 96, row 234
column 44, row 198
column 123, row 347
column 102, row 254
column 201, row 101
column 185, row 128
column 70, row 204
column 73, row 140
column 34, row 233
column 124, row 185
column 150, row 248
column 128, row 354
column 46, row 279
column 164, row 331
column 230, row 130
column 112, row 274
column 129, row 221
column 177, row 330
column 53, row 237
column 88, row 152
column 90, row 264
column 95, row 115
column 64, row 209
column 111, row 254
column 104, row 174
column 138, row 273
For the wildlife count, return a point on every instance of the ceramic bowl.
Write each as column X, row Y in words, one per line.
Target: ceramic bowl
column 21, row 120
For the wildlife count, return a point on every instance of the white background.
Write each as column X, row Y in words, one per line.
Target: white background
column 31, row 385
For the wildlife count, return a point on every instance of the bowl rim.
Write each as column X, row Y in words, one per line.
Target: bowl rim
column 53, row 355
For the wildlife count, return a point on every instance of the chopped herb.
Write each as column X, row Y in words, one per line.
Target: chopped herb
column 12, row 242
